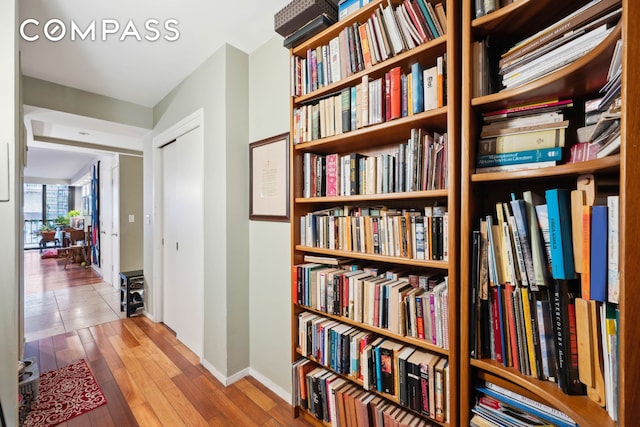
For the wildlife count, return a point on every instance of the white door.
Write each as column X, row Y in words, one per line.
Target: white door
column 115, row 225
column 183, row 241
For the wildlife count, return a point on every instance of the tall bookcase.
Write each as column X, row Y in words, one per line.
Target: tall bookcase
column 372, row 140
column 580, row 81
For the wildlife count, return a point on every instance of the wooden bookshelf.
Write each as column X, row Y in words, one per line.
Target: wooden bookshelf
column 372, row 140
column 580, row 80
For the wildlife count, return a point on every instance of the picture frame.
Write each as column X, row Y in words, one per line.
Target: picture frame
column 269, row 179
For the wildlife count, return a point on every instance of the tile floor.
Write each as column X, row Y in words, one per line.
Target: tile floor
column 62, row 310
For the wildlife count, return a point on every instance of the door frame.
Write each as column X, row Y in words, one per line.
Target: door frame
column 189, row 123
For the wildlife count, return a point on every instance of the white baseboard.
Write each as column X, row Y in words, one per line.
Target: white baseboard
column 227, row 381
column 282, row 393
column 238, row 376
column 217, row 374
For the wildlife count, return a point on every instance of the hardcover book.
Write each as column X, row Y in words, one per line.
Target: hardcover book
column 559, row 211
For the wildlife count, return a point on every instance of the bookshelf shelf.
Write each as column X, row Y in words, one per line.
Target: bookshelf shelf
column 386, row 133
column 415, row 342
column 374, row 140
column 515, row 16
column 376, row 258
column 389, row 397
column 573, row 81
column 408, row 195
column 606, row 164
column 329, row 33
column 580, row 408
column 426, row 52
column 580, row 81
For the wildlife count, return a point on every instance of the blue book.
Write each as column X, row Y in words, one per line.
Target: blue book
column 599, row 253
column 559, row 212
column 427, row 17
column 417, row 87
column 520, row 157
column 378, row 365
column 528, row 408
column 347, row 7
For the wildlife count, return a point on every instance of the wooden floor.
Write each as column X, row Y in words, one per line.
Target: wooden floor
column 151, row 379
column 148, row 377
column 43, row 275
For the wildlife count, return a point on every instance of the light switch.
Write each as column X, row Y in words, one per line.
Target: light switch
column 147, row 219
column 132, row 218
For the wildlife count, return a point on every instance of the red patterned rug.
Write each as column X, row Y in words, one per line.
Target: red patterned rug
column 64, row 394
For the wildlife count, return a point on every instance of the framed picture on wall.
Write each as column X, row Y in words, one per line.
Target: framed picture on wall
column 269, row 179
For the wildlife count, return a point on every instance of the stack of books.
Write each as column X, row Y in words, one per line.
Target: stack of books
column 559, row 44
column 497, row 405
column 522, row 137
column 600, row 136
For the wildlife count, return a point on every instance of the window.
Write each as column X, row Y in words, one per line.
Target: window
column 42, row 203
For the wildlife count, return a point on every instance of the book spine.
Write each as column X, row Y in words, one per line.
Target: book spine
column 598, row 276
column 613, row 251
column 559, row 212
column 550, row 138
column 520, row 157
column 417, row 88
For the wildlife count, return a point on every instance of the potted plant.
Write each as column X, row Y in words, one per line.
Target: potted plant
column 47, row 232
column 61, row 220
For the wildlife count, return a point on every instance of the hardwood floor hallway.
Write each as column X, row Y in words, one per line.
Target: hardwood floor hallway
column 148, row 377
column 151, row 379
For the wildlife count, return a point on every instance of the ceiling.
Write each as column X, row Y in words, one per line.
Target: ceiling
column 112, row 61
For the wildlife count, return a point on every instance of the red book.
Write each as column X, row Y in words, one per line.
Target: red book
column 529, row 107
column 416, row 21
column 387, row 96
column 511, row 319
column 396, row 93
column 420, row 317
column 332, row 174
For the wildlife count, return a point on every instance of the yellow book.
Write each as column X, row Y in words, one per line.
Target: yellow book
column 526, row 309
column 535, row 140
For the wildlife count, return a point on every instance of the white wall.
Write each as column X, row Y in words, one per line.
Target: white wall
column 10, row 216
column 219, row 88
column 269, row 241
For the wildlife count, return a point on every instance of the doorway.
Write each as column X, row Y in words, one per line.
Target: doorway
column 183, row 242
column 179, row 251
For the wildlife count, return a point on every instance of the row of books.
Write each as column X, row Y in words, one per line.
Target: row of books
column 381, row 231
column 372, row 101
column 420, row 164
column 339, row 402
column 386, row 33
column 532, row 311
column 523, row 137
column 559, row 44
column 416, row 306
column 497, row 406
column 415, row 377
